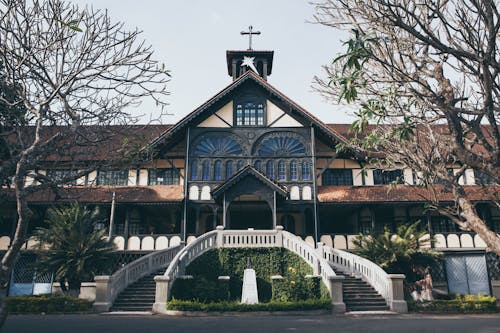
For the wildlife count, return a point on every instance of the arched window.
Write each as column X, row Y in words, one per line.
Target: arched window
column 270, row 169
column 306, row 170
column 205, row 170
column 281, row 146
column 217, row 145
column 194, row 170
column 258, row 165
column 293, row 170
column 229, row 169
column 218, row 170
column 281, row 170
column 239, row 165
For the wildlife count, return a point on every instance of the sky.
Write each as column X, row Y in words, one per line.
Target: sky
column 191, row 39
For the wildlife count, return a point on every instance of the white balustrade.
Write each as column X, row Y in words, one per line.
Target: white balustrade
column 221, row 238
column 108, row 287
column 390, row 286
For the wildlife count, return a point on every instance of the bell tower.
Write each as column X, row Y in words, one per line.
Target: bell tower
column 238, row 62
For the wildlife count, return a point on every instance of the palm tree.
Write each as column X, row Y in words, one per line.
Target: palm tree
column 400, row 252
column 71, row 247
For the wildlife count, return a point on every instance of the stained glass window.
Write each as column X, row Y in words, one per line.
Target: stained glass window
column 217, row 145
column 112, row 177
column 270, row 169
column 250, row 114
column 218, row 170
column 229, row 169
column 281, row 170
column 194, row 170
column 281, row 146
column 293, row 170
column 163, row 177
column 306, row 170
column 240, row 165
column 258, row 165
column 205, row 170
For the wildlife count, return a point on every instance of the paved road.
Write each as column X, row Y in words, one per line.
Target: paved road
column 252, row 324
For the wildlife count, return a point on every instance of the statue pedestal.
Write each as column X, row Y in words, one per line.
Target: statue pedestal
column 249, row 293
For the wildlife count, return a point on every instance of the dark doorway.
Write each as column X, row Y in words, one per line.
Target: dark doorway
column 249, row 211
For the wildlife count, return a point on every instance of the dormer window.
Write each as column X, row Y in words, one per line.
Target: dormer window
column 249, row 113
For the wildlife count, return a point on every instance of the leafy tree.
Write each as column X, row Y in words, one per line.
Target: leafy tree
column 400, row 252
column 429, row 71
column 71, row 247
column 75, row 72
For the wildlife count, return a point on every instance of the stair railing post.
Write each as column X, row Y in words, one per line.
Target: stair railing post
column 336, row 293
column 103, row 300
column 279, row 236
column 162, row 293
column 220, row 236
column 396, row 295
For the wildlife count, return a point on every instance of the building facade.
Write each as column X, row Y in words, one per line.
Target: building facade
column 250, row 157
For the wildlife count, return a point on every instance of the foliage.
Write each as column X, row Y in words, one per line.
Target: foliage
column 71, row 246
column 206, row 269
column 401, row 252
column 311, row 304
column 462, row 304
column 294, row 287
column 47, row 304
column 428, row 71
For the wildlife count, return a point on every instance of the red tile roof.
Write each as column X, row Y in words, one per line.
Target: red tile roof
column 398, row 193
column 104, row 194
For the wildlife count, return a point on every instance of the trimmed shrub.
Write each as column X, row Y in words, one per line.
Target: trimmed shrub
column 294, row 287
column 461, row 304
column 313, row 304
column 47, row 304
column 206, row 269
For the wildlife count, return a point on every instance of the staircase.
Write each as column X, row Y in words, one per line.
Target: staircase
column 359, row 295
column 139, row 296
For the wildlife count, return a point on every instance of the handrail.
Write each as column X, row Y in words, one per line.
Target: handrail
column 221, row 238
column 390, row 286
column 108, row 287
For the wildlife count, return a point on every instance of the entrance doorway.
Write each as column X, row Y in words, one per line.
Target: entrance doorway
column 249, row 211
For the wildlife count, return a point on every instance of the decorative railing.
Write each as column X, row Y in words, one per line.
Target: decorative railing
column 108, row 287
column 221, row 238
column 390, row 286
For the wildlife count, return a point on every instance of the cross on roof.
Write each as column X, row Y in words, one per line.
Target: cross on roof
column 250, row 32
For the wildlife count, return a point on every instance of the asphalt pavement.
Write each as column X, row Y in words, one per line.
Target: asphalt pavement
column 253, row 323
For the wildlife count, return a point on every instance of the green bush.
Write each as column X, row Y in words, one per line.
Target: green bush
column 461, row 303
column 206, row 269
column 294, row 287
column 312, row 304
column 47, row 304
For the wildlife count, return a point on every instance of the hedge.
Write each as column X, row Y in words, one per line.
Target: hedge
column 461, row 304
column 47, row 304
column 312, row 304
column 205, row 286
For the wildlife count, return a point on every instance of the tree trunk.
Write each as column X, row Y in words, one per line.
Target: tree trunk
column 469, row 213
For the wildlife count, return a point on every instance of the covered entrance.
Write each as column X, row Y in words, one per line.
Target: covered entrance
column 249, row 200
column 249, row 211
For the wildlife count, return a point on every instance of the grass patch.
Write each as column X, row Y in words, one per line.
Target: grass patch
column 312, row 304
column 47, row 304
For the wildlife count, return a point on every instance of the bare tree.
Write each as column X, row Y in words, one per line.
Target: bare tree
column 428, row 70
column 74, row 72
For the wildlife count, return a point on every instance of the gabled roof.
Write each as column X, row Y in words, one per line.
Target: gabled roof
column 252, row 76
column 246, row 172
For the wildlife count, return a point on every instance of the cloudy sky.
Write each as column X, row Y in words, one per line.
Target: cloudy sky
column 191, row 38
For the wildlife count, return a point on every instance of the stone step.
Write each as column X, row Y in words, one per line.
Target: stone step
column 132, row 308
column 141, row 304
column 367, row 308
column 362, row 296
column 364, row 302
column 136, row 298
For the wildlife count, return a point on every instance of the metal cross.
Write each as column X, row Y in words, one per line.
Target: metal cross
column 250, row 33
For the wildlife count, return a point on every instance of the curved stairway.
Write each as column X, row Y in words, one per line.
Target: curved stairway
column 359, row 295
column 139, row 296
